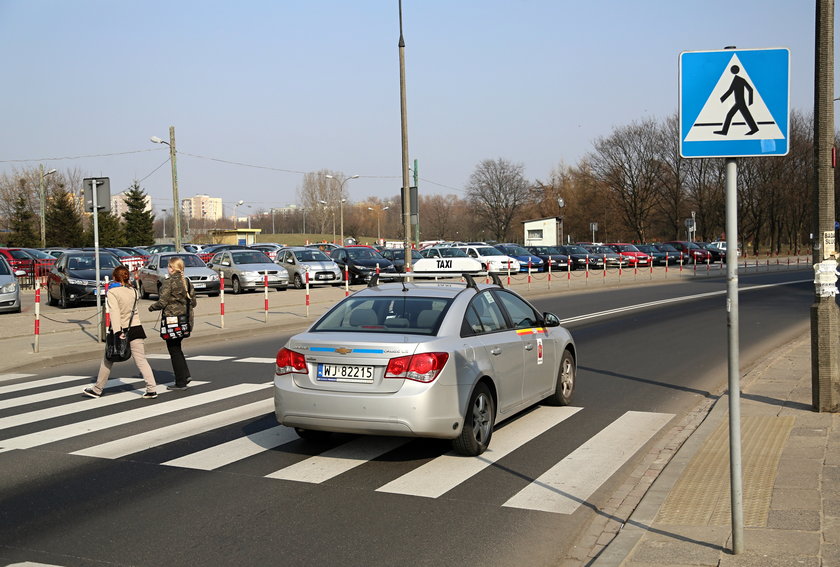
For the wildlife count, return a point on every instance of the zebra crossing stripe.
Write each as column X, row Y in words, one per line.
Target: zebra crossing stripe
column 236, row 450
column 444, row 473
column 39, row 383
column 157, row 356
column 4, row 377
column 260, row 360
column 53, row 394
column 148, row 439
column 83, row 405
column 339, row 460
column 569, row 483
column 153, row 410
column 209, row 358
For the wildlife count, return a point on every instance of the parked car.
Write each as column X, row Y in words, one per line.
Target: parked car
column 135, row 251
column 691, row 252
column 609, row 256
column 397, row 257
column 209, row 251
column 491, row 259
column 582, row 258
column 718, row 254
column 9, row 288
column 659, row 257
column 423, row 359
column 522, row 256
column 72, row 280
column 269, row 249
column 325, row 247
column 360, row 262
column 155, row 248
column 151, row 275
column 723, row 246
column 247, row 269
column 551, row 256
column 19, row 259
column 298, row 260
column 631, row 253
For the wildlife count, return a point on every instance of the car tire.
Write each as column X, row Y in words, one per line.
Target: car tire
column 298, row 282
column 235, row 286
column 143, row 293
column 565, row 387
column 51, row 301
column 478, row 424
column 312, row 434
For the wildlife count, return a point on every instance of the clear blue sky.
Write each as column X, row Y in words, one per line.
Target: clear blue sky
column 304, row 85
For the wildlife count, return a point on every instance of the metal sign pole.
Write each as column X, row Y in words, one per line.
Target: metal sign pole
column 737, row 494
column 94, row 183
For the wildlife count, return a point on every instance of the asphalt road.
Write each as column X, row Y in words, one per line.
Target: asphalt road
column 100, row 506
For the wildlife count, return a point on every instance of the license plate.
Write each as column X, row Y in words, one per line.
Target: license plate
column 324, row 276
column 345, row 373
column 199, row 285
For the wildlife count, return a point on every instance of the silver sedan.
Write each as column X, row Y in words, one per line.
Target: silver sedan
column 426, row 359
column 299, row 260
column 9, row 288
column 249, row 269
column 150, row 276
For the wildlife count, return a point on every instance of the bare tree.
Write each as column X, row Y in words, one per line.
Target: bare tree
column 438, row 215
column 626, row 163
column 496, row 190
column 319, row 196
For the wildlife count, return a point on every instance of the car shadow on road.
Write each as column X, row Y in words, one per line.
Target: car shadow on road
column 704, row 393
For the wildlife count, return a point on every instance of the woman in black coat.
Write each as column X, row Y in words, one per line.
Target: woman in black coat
column 177, row 297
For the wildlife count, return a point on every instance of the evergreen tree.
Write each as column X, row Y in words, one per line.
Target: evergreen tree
column 64, row 221
column 111, row 232
column 139, row 223
column 22, row 225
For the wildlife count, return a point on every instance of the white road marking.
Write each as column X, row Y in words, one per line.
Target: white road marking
column 40, row 383
column 108, row 421
column 148, row 439
column 4, row 377
column 53, row 394
column 257, row 360
column 569, row 483
column 209, row 358
column 157, row 356
column 85, row 404
column 448, row 471
column 339, row 460
column 237, row 449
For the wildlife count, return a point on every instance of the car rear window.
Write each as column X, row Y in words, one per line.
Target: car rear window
column 389, row 314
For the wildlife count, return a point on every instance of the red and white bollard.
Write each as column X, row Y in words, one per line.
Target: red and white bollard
column 38, row 318
column 265, row 287
column 346, row 281
column 306, row 280
column 222, row 300
column 529, row 274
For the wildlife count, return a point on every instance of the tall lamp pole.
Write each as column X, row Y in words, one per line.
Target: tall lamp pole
column 175, row 200
column 378, row 218
column 406, row 191
column 43, row 211
column 341, row 200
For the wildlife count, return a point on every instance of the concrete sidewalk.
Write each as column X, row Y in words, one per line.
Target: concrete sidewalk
column 791, row 483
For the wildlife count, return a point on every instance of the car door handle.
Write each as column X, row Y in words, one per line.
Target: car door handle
column 529, row 346
column 496, row 351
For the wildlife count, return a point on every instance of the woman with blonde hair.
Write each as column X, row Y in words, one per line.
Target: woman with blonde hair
column 122, row 305
column 177, row 297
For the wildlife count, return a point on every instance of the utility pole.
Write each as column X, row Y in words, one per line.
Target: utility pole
column 406, row 188
column 175, row 200
column 43, row 205
column 825, row 322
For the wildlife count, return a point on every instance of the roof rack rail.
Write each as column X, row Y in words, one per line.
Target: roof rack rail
column 469, row 277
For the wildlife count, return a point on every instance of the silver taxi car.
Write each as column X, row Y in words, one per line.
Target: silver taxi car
column 248, row 269
column 423, row 359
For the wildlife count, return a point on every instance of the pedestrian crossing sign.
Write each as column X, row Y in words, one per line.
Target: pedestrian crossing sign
column 734, row 103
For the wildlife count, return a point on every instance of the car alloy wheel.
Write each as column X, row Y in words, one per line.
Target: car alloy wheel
column 298, row 282
column 478, row 424
column 235, row 286
column 565, row 381
column 63, row 302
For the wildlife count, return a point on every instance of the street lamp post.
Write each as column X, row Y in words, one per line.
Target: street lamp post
column 378, row 218
column 176, row 205
column 341, row 201
column 235, row 207
column 43, row 210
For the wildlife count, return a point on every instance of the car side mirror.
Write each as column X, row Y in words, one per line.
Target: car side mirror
column 551, row 320
column 209, row 265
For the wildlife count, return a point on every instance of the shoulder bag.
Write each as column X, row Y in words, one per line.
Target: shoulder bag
column 117, row 349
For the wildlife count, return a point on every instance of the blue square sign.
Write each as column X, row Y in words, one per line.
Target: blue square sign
column 734, row 103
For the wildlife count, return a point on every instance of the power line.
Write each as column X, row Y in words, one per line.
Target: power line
column 76, row 157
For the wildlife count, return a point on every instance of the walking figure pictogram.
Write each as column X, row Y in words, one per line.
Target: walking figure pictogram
column 736, row 89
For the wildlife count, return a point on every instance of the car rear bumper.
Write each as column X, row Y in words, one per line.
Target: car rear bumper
column 421, row 410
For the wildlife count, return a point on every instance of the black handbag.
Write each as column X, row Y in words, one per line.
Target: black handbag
column 118, row 349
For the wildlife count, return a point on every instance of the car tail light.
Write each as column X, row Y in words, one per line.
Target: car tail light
column 423, row 367
column 290, row 362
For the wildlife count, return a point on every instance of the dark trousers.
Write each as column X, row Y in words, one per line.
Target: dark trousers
column 179, row 363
